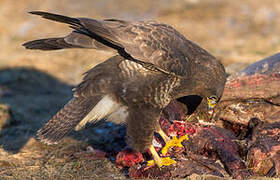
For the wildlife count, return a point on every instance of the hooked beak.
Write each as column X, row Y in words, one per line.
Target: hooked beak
column 211, row 103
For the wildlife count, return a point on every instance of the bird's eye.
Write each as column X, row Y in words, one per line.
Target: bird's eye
column 212, row 101
column 214, row 98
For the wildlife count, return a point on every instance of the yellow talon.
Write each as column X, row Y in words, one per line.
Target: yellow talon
column 174, row 142
column 159, row 161
column 150, row 163
column 163, row 161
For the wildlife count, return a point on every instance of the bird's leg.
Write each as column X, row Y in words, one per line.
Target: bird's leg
column 174, row 142
column 159, row 161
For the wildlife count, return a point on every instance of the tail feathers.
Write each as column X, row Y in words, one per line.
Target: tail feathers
column 87, row 33
column 57, row 43
column 73, row 40
column 58, row 18
column 49, row 44
column 65, row 120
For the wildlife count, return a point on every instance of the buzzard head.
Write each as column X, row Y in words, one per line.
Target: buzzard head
column 212, row 83
column 208, row 102
column 212, row 95
column 201, row 106
column 204, row 87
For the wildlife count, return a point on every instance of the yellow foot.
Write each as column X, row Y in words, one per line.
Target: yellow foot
column 162, row 161
column 174, row 142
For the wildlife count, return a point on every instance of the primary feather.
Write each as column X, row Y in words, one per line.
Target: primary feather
column 65, row 120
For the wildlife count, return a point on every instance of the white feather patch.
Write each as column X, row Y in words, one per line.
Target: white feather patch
column 103, row 108
column 119, row 116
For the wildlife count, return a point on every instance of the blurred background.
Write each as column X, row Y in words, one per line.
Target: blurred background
column 235, row 31
column 34, row 85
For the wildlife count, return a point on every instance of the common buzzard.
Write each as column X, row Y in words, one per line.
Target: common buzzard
column 154, row 65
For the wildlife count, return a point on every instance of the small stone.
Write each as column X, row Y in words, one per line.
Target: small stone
column 5, row 116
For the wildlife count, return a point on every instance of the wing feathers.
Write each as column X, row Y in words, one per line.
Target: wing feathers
column 50, row 44
column 77, row 113
column 57, row 17
column 65, row 120
column 88, row 33
column 135, row 41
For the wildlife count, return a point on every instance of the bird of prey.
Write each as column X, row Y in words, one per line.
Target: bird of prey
column 154, row 64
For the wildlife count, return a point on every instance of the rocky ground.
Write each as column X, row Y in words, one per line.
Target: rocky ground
column 34, row 84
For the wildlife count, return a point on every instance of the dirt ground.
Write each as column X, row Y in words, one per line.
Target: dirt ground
column 35, row 84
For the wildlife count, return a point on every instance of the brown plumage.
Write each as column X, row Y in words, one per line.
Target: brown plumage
column 155, row 64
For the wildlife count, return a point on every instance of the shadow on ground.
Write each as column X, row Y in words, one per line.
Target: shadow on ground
column 29, row 98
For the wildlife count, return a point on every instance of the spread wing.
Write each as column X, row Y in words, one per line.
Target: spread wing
column 152, row 44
